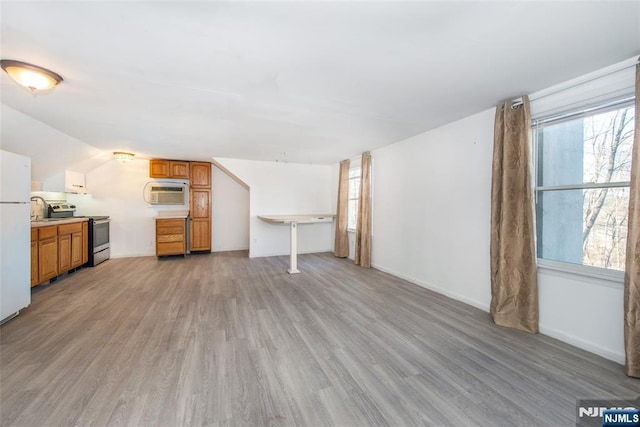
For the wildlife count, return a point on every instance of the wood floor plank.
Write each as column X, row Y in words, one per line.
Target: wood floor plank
column 224, row 340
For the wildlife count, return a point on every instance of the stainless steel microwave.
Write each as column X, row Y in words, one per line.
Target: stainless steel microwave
column 167, row 195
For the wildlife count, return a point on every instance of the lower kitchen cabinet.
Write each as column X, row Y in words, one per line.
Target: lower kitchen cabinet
column 34, row 256
column 58, row 249
column 76, row 249
column 200, row 225
column 70, row 244
column 200, row 234
column 47, row 257
column 64, row 253
column 171, row 236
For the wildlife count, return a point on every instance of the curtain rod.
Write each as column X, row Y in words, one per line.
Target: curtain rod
column 617, row 68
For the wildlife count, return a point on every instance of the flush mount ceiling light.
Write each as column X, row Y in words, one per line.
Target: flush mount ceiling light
column 35, row 79
column 122, row 156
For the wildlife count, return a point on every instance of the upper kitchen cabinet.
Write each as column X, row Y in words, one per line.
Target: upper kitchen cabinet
column 159, row 168
column 66, row 182
column 200, row 175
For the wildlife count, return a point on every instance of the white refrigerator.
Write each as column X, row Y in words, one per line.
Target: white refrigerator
column 15, row 234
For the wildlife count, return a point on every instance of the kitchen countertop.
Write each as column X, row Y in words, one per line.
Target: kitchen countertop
column 172, row 214
column 56, row 221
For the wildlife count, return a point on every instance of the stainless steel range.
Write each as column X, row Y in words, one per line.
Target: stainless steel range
column 99, row 246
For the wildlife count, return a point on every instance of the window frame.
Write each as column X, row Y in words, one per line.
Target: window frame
column 572, row 114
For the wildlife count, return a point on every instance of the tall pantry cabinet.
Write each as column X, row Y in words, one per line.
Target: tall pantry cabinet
column 200, row 206
column 199, row 176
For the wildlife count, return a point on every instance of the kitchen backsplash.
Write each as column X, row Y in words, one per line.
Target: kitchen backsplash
column 38, row 209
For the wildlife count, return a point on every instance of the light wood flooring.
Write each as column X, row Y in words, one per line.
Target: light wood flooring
column 221, row 339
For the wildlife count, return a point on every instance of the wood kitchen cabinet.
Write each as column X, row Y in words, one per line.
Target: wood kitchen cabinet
column 160, row 168
column 70, row 246
column 64, row 253
column 47, row 253
column 200, row 235
column 34, row 256
column 179, row 169
column 200, row 175
column 58, row 249
column 200, row 206
column 76, row 249
column 171, row 236
column 200, row 203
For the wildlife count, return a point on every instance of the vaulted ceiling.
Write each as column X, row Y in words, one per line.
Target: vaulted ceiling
column 310, row 82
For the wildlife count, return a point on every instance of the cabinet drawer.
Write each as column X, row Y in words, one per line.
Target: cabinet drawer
column 47, row 232
column 34, row 234
column 169, row 223
column 170, row 230
column 171, row 248
column 70, row 228
column 166, row 238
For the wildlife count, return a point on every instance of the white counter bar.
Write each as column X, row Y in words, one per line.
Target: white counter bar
column 293, row 221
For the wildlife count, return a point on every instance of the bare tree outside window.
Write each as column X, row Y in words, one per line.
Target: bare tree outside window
column 608, row 143
column 583, row 172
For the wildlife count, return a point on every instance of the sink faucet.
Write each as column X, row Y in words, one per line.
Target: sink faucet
column 43, row 201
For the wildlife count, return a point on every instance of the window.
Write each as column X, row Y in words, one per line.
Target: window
column 583, row 163
column 354, row 194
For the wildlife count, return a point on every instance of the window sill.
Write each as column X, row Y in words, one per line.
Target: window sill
column 601, row 276
column 351, row 230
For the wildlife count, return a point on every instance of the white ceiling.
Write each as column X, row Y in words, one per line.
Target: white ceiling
column 312, row 82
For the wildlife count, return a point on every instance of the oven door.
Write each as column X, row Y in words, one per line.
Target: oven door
column 100, row 234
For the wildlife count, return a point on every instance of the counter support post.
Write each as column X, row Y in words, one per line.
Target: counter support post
column 293, row 257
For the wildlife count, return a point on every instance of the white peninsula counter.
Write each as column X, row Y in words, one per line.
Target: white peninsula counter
column 293, row 221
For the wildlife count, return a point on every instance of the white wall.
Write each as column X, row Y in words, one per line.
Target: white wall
column 583, row 311
column 287, row 188
column 431, row 209
column 431, row 216
column 51, row 151
column 230, row 216
column 116, row 190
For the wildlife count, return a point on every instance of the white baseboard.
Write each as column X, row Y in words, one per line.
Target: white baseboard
column 584, row 345
column 132, row 255
column 442, row 291
column 230, row 249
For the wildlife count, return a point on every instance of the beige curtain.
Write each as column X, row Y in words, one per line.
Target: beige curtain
column 363, row 229
column 632, row 269
column 514, row 289
column 341, row 245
